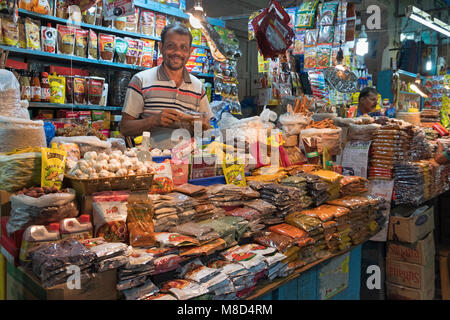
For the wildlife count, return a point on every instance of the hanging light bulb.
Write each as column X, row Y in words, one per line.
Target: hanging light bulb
column 428, row 65
column 362, row 45
column 196, row 14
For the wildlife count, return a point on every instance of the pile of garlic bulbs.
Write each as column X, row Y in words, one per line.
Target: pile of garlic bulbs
column 116, row 164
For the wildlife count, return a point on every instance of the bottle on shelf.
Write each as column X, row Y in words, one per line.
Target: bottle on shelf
column 35, row 88
column 45, row 87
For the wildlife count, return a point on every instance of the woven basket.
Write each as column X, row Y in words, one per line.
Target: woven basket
column 90, row 186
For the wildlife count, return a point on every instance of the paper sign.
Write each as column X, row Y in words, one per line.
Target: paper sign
column 382, row 188
column 355, row 158
column 334, row 276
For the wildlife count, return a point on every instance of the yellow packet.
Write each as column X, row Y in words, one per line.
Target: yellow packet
column 234, row 172
column 57, row 88
column 53, row 165
column 327, row 161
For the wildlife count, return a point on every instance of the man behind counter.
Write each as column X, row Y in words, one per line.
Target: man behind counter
column 161, row 99
column 368, row 99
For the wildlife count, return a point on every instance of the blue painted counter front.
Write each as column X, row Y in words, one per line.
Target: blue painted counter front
column 307, row 285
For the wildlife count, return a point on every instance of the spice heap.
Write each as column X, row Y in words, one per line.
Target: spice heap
column 390, row 145
column 49, row 261
column 353, row 186
column 332, row 179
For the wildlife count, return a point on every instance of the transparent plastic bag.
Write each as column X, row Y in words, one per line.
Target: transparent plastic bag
column 26, row 211
column 293, row 123
column 330, row 138
column 16, row 133
column 86, row 143
column 10, row 103
column 20, row 171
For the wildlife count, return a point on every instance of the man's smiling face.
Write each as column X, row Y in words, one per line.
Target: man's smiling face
column 176, row 50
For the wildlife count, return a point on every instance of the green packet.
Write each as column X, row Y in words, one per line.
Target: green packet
column 121, row 50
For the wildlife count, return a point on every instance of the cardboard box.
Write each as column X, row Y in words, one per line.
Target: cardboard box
column 396, row 292
column 23, row 285
column 5, row 203
column 409, row 274
column 421, row 252
column 410, row 229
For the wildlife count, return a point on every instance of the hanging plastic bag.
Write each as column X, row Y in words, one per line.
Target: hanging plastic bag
column 272, row 31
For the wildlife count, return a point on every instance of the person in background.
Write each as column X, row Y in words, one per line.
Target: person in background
column 442, row 154
column 164, row 98
column 368, row 99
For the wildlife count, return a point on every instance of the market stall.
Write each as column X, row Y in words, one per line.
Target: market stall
column 275, row 206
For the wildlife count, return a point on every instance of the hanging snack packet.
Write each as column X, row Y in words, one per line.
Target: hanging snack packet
column 32, row 33
column 23, row 4
column 147, row 53
column 106, row 46
column 327, row 13
column 162, row 181
column 66, row 39
column 81, row 41
column 310, row 58
column 61, row 9
column 92, row 45
column 160, row 23
column 311, row 37
column 57, row 88
column 10, row 32
column 41, row 6
column 132, row 21
column 234, row 172
column 147, row 23
column 299, row 42
column 22, row 34
column 323, row 57
column 326, row 35
column 49, row 37
column 53, row 166
column 121, row 47
column 306, row 14
column 132, row 51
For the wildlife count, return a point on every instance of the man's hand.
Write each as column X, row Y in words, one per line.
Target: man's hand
column 168, row 117
column 440, row 156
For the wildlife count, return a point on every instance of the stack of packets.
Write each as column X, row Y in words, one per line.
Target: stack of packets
column 390, row 146
column 259, row 262
column 229, row 228
column 313, row 227
column 420, row 148
column 172, row 209
column 268, row 174
column 252, row 216
column 286, row 199
column 134, row 280
column 353, row 186
column 301, row 184
column 266, row 210
column 335, row 223
column 213, row 280
column 430, row 116
column 360, row 215
column 332, row 179
column 410, row 184
column 317, row 189
column 49, row 262
column 294, row 243
column 204, row 208
column 230, row 195
column 109, row 255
